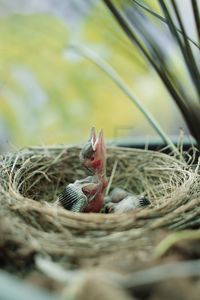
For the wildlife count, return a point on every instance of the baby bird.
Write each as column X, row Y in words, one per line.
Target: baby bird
column 121, row 201
column 87, row 195
column 77, row 196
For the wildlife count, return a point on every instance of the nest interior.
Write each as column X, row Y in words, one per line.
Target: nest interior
column 31, row 223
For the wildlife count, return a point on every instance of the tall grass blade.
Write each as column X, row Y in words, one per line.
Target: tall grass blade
column 171, row 81
column 194, row 72
column 196, row 17
column 151, row 49
column 162, row 19
column 174, row 32
column 128, row 29
column 105, row 67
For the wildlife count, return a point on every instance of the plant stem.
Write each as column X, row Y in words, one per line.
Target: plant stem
column 106, row 68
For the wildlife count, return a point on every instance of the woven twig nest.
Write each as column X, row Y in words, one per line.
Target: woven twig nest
column 32, row 179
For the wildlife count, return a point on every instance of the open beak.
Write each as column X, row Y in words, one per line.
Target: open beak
column 98, row 143
column 93, row 154
column 100, row 148
column 93, row 137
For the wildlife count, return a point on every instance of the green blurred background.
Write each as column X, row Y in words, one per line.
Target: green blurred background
column 48, row 94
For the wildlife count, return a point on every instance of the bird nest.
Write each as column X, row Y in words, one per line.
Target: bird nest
column 31, row 223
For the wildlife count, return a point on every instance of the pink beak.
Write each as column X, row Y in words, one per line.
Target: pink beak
column 98, row 145
column 93, row 137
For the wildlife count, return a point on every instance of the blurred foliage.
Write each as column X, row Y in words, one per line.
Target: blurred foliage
column 151, row 42
column 47, row 96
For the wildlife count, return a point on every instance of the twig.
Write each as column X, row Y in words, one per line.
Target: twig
column 111, row 177
column 173, row 238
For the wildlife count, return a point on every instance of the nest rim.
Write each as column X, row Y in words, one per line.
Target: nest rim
column 14, row 191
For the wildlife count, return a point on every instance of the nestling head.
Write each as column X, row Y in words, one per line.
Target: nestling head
column 93, row 153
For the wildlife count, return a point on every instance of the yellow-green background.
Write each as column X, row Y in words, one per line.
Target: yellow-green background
column 50, row 95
